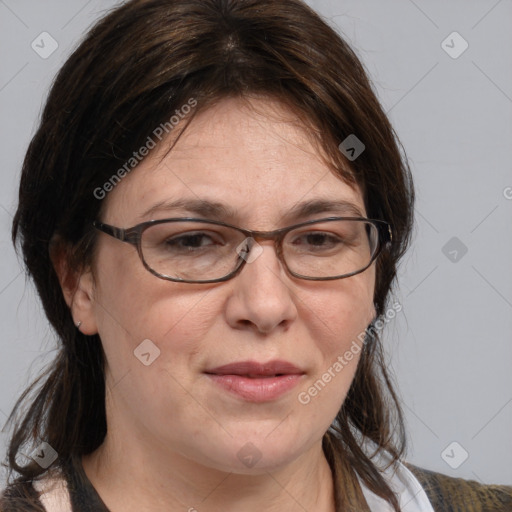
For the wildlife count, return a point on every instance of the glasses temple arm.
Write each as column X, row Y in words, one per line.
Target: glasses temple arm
column 118, row 233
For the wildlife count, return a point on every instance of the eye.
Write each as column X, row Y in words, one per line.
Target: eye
column 184, row 239
column 192, row 240
column 317, row 240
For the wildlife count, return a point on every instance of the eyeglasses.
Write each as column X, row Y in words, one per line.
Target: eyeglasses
column 193, row 250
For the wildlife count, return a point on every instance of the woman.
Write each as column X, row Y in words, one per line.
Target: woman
column 213, row 209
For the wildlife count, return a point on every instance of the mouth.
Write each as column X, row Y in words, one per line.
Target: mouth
column 255, row 369
column 256, row 382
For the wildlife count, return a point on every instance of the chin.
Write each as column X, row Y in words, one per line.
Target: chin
column 254, row 455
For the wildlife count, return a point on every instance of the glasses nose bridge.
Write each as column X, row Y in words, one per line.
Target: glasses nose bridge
column 276, row 237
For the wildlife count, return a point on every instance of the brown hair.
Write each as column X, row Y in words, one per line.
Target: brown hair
column 135, row 67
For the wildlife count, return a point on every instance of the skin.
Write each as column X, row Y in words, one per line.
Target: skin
column 173, row 435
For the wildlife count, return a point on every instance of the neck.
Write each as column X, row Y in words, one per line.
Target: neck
column 131, row 477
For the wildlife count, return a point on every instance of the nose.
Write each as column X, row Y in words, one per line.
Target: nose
column 262, row 298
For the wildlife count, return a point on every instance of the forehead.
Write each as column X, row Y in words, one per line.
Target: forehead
column 254, row 162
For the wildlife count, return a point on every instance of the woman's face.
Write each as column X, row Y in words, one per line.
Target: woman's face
column 260, row 166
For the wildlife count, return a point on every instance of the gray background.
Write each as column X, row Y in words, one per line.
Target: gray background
column 450, row 347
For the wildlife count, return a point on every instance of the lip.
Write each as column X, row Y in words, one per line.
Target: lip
column 257, row 382
column 253, row 368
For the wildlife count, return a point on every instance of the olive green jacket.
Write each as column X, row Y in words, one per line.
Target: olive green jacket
column 448, row 494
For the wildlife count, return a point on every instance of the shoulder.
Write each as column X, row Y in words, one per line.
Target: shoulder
column 449, row 494
column 20, row 496
column 48, row 493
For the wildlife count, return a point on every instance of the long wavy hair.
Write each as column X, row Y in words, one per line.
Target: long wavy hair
column 136, row 66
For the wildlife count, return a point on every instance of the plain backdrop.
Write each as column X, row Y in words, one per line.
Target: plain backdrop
column 451, row 106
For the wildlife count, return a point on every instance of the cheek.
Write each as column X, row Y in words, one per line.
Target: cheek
column 132, row 305
column 132, row 300
column 337, row 320
column 340, row 314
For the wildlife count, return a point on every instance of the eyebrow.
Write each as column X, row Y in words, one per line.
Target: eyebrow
column 219, row 211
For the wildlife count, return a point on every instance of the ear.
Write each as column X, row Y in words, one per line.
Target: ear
column 77, row 287
column 372, row 313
